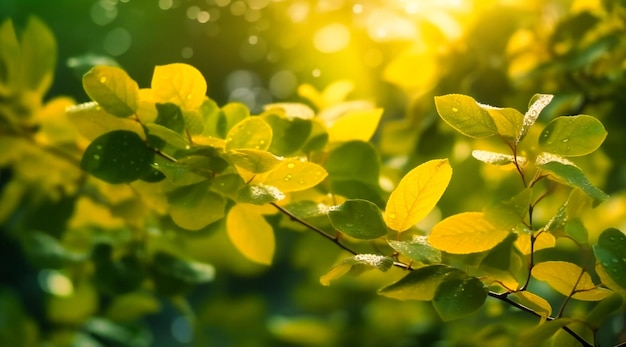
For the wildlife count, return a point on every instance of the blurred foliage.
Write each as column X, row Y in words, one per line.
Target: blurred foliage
column 88, row 263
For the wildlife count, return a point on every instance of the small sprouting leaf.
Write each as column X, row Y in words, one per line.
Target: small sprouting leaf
column 112, row 89
column 497, row 159
column 253, row 160
column 465, row 115
column 358, row 125
column 293, row 174
column 258, row 194
column 251, row 133
column 418, row 250
column 459, row 297
column 509, row 213
column 537, row 104
column 289, row 134
column 194, row 207
column 572, row 136
column 611, row 253
column 420, row 284
column 568, row 173
column 360, row 219
column 356, row 265
column 542, row 332
column 354, row 160
column 120, row 156
column 180, row 84
column 564, row 277
column 508, row 120
column 251, row 234
column 536, row 303
column 464, row 233
column 417, row 194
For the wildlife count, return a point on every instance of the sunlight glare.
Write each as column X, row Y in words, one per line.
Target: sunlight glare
column 332, row 38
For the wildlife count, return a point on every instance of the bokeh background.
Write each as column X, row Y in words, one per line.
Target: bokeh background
column 398, row 54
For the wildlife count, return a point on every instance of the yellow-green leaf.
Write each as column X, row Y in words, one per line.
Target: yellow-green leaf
column 92, row 121
column 250, row 233
column 572, row 136
column 542, row 332
column 112, row 89
column 420, row 284
column 508, row 120
column 355, row 125
column 252, row 132
column 533, row 301
column 564, row 277
column 293, row 174
column 417, row 194
column 465, row 115
column 253, row 160
column 357, row 265
column 194, row 207
column 180, row 84
column 464, row 233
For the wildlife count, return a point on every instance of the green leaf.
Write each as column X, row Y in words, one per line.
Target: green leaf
column 603, row 310
column 572, row 136
column 537, row 104
column 508, row 120
column 170, row 116
column 92, row 121
column 116, row 276
column 611, row 253
column 175, row 276
column 569, row 174
column 10, row 62
column 356, row 265
column 507, row 214
column 360, row 219
column 289, row 134
column 466, row 232
column 161, row 135
column 418, row 250
column 194, row 207
column 420, row 284
column 536, row 303
column 567, row 278
column 250, row 233
column 417, row 194
column 575, row 229
column 228, row 185
column 497, row 159
column 258, row 194
column 253, row 160
column 112, row 89
column 233, row 113
column 38, row 55
column 465, row 115
column 542, row 332
column 354, row 160
column 456, row 297
column 354, row 189
column 180, row 84
column 120, row 156
column 250, row 133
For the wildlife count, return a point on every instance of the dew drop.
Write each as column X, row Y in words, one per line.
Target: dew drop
column 96, row 156
column 291, row 165
column 301, row 181
column 189, row 96
column 391, row 215
column 288, row 178
column 605, row 264
column 612, row 238
column 98, row 147
column 565, row 140
column 615, row 260
column 615, row 269
column 454, row 109
column 103, row 79
column 262, row 142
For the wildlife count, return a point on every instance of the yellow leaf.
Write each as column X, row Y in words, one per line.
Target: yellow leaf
column 564, row 277
column 543, row 241
column 533, row 301
column 415, row 70
column 180, row 84
column 356, row 125
column 250, row 233
column 251, row 133
column 337, row 92
column 417, row 194
column 292, row 175
column 464, row 233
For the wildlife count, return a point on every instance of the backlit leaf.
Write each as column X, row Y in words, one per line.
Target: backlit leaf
column 180, row 84
column 356, row 265
column 194, row 207
column 250, row 133
column 120, row 156
column 564, row 277
column 420, row 284
column 354, row 160
column 253, row 160
column 233, row 113
column 536, row 303
column 497, row 159
column 575, row 229
column 465, row 115
column 417, row 194
column 250, row 233
column 611, row 253
column 289, row 134
column 167, row 135
column 38, row 56
column 290, row 110
column 572, row 136
column 112, row 89
column 293, row 174
column 418, row 250
column 467, row 232
column 356, row 125
column 508, row 120
column 509, row 213
column 543, row 241
column 542, row 332
column 459, row 297
column 569, row 174
column 360, row 219
column 537, row 104
column 93, row 121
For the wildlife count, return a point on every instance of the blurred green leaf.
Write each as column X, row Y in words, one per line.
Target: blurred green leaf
column 289, row 134
column 360, row 219
column 572, row 136
column 116, row 276
column 356, row 265
column 174, row 275
column 575, row 229
column 542, row 332
column 420, row 284
column 194, row 207
column 112, row 89
column 354, row 160
column 456, row 297
column 509, row 213
column 465, row 115
column 611, row 253
column 38, row 55
column 251, row 234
